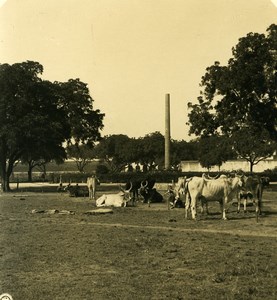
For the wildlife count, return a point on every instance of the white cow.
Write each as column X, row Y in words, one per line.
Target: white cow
column 222, row 189
column 176, row 190
column 180, row 186
column 91, row 183
column 117, row 200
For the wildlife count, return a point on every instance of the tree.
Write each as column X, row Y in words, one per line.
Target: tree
column 152, row 149
column 116, row 150
column 37, row 117
column 214, row 150
column 40, row 157
column 253, row 145
column 25, row 115
column 182, row 150
column 84, row 122
column 243, row 93
column 47, row 136
column 82, row 155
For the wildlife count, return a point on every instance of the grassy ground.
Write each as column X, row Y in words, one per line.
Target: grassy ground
column 134, row 253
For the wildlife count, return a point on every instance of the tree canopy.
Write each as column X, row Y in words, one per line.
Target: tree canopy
column 38, row 116
column 214, row 151
column 253, row 145
column 242, row 94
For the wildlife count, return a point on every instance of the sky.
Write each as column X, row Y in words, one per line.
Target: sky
column 131, row 53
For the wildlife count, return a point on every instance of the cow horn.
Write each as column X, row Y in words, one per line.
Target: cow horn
column 143, row 186
column 213, row 177
column 204, row 176
column 131, row 185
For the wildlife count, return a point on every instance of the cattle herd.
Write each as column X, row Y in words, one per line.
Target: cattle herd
column 186, row 192
column 222, row 189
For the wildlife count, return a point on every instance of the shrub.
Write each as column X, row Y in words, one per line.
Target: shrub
column 102, row 169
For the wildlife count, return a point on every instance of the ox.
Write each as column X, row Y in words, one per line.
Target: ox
column 149, row 193
column 91, row 183
column 117, row 200
column 181, row 188
column 76, row 191
column 251, row 190
column 151, row 196
column 222, row 190
column 147, row 184
column 203, row 201
column 136, row 184
column 173, row 200
column 175, row 191
column 265, row 181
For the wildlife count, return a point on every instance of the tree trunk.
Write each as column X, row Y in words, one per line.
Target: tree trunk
column 7, row 185
column 5, row 179
column 30, row 171
column 5, row 182
column 251, row 167
column 8, row 174
column 30, row 179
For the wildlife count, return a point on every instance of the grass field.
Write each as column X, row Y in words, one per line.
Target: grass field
column 135, row 252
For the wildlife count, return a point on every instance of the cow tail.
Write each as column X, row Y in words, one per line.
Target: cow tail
column 186, row 189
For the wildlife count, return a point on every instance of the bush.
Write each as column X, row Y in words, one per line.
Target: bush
column 102, row 169
column 271, row 173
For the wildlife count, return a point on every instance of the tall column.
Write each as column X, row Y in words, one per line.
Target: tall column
column 167, row 132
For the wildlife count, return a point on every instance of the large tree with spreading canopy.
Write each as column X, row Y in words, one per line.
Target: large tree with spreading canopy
column 241, row 95
column 37, row 117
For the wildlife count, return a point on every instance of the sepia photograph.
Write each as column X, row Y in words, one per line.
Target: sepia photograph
column 138, row 149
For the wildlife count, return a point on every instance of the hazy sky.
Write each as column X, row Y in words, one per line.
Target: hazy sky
column 131, row 52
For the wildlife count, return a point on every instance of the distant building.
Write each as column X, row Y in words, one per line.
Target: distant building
column 230, row 165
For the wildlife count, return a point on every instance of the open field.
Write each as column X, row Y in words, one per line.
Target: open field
column 135, row 252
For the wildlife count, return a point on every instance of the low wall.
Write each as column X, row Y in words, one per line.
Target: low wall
column 231, row 165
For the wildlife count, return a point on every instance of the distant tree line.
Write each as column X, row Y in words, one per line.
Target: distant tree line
column 120, row 151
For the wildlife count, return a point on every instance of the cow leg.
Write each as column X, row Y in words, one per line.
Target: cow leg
column 260, row 196
column 204, row 203
column 257, row 213
column 238, row 209
column 207, row 208
column 201, row 206
column 100, row 202
column 136, row 196
column 187, row 205
column 258, row 203
column 255, row 201
column 244, row 205
column 193, row 207
column 193, row 212
column 223, row 208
